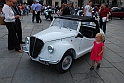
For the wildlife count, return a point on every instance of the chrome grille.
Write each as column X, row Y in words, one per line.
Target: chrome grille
column 36, row 46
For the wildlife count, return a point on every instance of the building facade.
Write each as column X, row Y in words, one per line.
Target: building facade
column 110, row 3
column 84, row 2
column 75, row 2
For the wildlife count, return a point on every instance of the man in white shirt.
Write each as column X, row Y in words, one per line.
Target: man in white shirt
column 88, row 9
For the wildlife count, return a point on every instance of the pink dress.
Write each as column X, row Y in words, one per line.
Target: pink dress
column 96, row 50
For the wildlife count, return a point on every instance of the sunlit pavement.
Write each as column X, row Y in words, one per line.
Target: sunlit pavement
column 18, row 68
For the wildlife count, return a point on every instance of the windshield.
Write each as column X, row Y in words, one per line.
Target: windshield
column 65, row 23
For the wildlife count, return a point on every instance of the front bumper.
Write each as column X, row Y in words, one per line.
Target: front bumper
column 24, row 48
column 39, row 59
column 47, row 62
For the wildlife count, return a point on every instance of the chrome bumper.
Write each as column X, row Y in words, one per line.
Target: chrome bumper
column 47, row 62
column 39, row 59
column 25, row 49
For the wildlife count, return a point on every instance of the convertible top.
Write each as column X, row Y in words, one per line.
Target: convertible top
column 82, row 19
column 77, row 18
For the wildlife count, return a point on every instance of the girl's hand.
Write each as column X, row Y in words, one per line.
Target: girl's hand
column 99, row 54
column 91, row 50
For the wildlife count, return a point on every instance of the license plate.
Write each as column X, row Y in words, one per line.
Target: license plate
column 44, row 62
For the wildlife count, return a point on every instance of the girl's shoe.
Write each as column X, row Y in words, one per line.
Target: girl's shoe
column 91, row 68
column 98, row 66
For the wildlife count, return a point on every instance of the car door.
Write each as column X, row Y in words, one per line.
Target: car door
column 76, row 42
column 122, row 13
column 86, row 44
column 82, row 45
column 115, row 12
column 87, row 41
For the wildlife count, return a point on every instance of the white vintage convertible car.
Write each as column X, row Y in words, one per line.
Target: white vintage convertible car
column 67, row 38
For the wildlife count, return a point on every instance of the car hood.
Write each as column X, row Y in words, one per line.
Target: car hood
column 55, row 33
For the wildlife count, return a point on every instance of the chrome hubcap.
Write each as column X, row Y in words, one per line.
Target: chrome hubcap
column 66, row 62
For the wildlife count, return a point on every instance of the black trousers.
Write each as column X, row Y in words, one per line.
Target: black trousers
column 102, row 25
column 13, row 42
column 38, row 17
column 18, row 29
column 33, row 16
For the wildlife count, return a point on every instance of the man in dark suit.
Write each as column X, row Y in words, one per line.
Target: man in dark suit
column 18, row 26
column 66, row 10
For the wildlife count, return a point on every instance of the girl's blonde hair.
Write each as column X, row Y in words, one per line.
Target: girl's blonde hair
column 101, row 35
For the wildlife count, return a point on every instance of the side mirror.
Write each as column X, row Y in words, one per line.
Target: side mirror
column 79, row 35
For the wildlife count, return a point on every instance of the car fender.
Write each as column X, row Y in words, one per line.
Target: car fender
column 60, row 48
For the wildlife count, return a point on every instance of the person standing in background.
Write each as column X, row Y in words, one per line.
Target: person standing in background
column 13, row 42
column 66, row 9
column 61, row 9
column 38, row 10
column 88, row 9
column 18, row 26
column 33, row 8
column 21, row 8
column 104, row 15
column 27, row 9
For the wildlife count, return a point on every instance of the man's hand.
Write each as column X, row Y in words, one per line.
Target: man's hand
column 17, row 16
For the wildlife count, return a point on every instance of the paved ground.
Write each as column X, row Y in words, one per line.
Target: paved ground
column 18, row 68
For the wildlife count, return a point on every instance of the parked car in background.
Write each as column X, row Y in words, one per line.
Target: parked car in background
column 80, row 13
column 117, row 12
column 67, row 38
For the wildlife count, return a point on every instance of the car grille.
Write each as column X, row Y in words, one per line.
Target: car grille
column 36, row 46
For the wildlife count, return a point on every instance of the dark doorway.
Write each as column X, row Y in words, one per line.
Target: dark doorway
column 56, row 3
column 30, row 2
column 114, row 3
column 80, row 3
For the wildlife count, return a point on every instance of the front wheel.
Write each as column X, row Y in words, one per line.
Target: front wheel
column 65, row 64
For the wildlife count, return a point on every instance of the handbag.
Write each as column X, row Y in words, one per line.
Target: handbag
column 2, row 22
column 103, row 19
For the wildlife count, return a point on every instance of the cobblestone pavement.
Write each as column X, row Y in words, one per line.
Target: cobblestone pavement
column 18, row 68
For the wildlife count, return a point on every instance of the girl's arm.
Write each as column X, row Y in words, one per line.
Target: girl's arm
column 91, row 49
column 101, row 51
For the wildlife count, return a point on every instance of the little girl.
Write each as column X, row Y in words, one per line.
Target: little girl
column 97, row 50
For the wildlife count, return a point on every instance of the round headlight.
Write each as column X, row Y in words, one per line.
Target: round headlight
column 27, row 40
column 50, row 49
